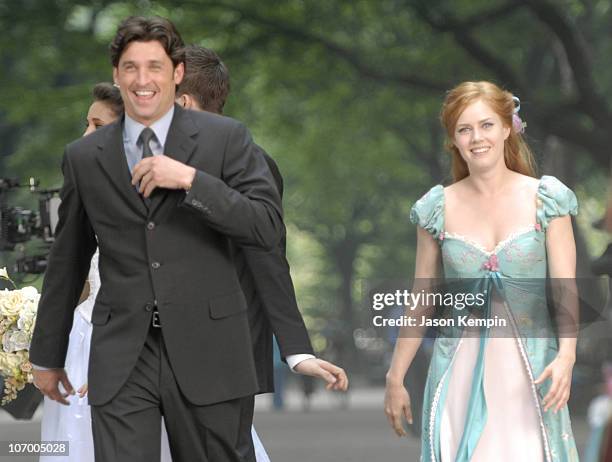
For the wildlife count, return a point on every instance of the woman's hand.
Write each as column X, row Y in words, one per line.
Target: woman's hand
column 83, row 390
column 560, row 371
column 397, row 407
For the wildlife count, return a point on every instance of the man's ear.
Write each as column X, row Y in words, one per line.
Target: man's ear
column 179, row 72
column 185, row 101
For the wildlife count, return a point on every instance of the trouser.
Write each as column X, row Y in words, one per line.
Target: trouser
column 128, row 428
column 245, row 440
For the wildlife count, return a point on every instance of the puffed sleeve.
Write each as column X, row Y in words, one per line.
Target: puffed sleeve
column 554, row 200
column 86, row 306
column 428, row 211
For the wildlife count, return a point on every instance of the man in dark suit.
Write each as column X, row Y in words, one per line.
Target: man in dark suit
column 163, row 193
column 264, row 275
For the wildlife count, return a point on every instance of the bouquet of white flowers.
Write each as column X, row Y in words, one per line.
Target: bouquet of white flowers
column 17, row 317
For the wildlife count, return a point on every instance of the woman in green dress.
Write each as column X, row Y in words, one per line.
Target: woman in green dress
column 500, row 395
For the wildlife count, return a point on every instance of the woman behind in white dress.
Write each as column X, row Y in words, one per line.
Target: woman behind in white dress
column 73, row 423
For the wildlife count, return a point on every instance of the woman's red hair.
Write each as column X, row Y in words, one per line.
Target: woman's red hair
column 517, row 155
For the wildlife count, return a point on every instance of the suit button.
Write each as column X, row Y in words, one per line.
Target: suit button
column 149, row 307
column 150, row 225
column 155, row 265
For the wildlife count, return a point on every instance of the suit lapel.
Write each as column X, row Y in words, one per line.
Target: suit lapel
column 180, row 145
column 112, row 159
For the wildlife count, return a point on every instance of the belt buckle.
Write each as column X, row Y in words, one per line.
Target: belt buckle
column 155, row 321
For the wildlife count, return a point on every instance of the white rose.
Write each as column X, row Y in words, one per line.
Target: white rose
column 4, row 273
column 30, row 293
column 27, row 316
column 31, row 305
column 25, row 321
column 12, row 304
column 10, row 363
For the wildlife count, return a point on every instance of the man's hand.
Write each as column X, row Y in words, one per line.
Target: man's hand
column 162, row 172
column 334, row 376
column 47, row 382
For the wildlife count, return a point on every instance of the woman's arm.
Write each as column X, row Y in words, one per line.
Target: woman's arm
column 397, row 401
column 561, row 250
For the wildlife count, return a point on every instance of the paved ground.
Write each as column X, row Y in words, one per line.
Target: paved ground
column 356, row 435
column 326, row 433
column 329, row 433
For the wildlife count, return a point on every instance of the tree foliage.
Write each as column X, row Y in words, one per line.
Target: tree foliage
column 344, row 94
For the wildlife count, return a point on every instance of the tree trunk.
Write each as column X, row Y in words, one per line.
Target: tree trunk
column 343, row 254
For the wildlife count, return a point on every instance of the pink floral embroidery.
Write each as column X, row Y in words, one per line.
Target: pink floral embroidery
column 492, row 264
column 538, row 227
column 441, row 236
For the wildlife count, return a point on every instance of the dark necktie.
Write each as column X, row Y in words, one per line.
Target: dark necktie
column 146, row 135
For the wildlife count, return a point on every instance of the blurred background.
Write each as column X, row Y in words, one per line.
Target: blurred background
column 345, row 96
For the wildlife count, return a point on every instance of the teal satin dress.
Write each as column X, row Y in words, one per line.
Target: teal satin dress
column 516, row 270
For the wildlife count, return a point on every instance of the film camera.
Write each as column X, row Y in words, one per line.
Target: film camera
column 19, row 225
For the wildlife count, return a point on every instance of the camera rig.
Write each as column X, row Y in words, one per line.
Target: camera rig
column 19, row 225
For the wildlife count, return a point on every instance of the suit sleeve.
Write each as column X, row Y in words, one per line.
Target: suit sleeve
column 244, row 204
column 272, row 280
column 274, row 287
column 67, row 269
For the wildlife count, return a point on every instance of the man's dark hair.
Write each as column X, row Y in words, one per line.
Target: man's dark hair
column 141, row 29
column 108, row 94
column 206, row 78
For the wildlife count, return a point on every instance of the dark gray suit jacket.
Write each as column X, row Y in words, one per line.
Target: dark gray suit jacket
column 175, row 254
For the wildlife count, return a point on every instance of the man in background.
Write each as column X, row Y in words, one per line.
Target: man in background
column 264, row 275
